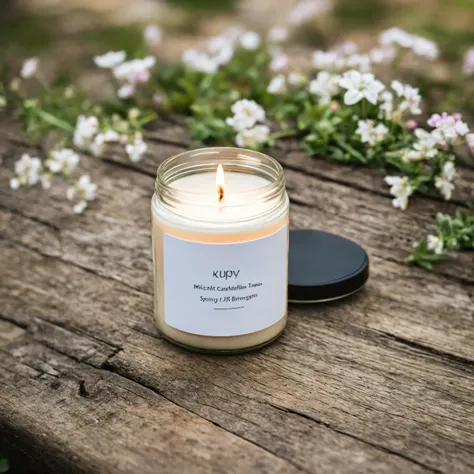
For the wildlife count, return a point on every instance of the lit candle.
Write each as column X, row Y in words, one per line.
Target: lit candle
column 220, row 249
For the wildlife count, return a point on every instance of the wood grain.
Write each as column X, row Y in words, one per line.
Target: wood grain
column 382, row 382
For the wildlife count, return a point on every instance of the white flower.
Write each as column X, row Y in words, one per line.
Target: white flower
column 326, row 59
column 307, row 9
column 278, row 34
column 448, row 127
column 199, row 61
column 296, row 78
column 382, row 55
column 246, row 114
column 424, row 47
column 110, row 60
column 277, row 85
column 253, row 137
column 80, row 207
column 426, row 144
column 135, row 71
column 326, row 85
column 279, row 62
column 359, row 61
column 221, row 50
column 86, row 128
column 98, row 145
column 410, row 95
column 386, row 107
column 27, row 170
column 401, row 189
column 152, row 35
column 444, row 182
column 435, row 244
column 3, row 102
column 15, row 183
column 83, row 189
column 347, row 48
column 46, row 181
column 360, row 86
column 371, row 133
column 468, row 64
column 445, row 187
column 29, row 68
column 111, row 136
column 136, row 149
column 396, row 36
column 449, row 171
column 126, row 91
column 63, row 161
column 470, row 141
column 250, row 40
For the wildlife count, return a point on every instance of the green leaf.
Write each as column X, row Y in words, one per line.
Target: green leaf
column 4, row 465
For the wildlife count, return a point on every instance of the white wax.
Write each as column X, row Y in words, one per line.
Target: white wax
column 206, row 212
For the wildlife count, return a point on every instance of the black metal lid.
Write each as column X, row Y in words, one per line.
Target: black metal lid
column 324, row 266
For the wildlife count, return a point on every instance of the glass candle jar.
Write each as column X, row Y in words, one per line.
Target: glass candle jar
column 220, row 249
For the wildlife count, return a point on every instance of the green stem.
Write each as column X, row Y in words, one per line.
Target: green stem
column 55, row 121
column 284, row 133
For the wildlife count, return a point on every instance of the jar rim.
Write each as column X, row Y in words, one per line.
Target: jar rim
column 233, row 159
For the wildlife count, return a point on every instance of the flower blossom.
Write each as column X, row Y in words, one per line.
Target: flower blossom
column 252, row 137
column 444, row 182
column 425, row 47
column 246, row 114
column 250, row 40
column 86, row 128
column 84, row 190
column 468, row 64
column 361, row 62
column 27, row 170
column 29, row 68
column 383, row 55
column 470, row 141
column 152, row 35
column 279, row 62
column 135, row 71
column 371, row 133
column 277, row 34
column 110, row 60
column 307, row 9
column 277, row 85
column 410, row 95
column 435, row 244
column 126, row 91
column 426, row 143
column 360, row 86
column 396, row 36
column 326, row 86
column 326, row 60
column 401, row 189
column 419, row 45
column 63, row 161
column 386, row 107
column 448, row 128
column 136, row 149
column 297, row 78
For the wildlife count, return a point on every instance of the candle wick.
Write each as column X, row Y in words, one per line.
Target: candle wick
column 220, row 193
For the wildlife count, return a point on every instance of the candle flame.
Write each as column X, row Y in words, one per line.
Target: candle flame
column 220, row 183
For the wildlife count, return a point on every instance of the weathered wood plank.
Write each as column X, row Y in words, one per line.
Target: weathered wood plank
column 334, row 207
column 324, row 370
column 86, row 420
column 442, row 322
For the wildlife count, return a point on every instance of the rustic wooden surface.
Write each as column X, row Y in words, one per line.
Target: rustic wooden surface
column 382, row 382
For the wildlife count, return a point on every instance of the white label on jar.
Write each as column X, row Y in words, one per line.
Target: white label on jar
column 225, row 289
